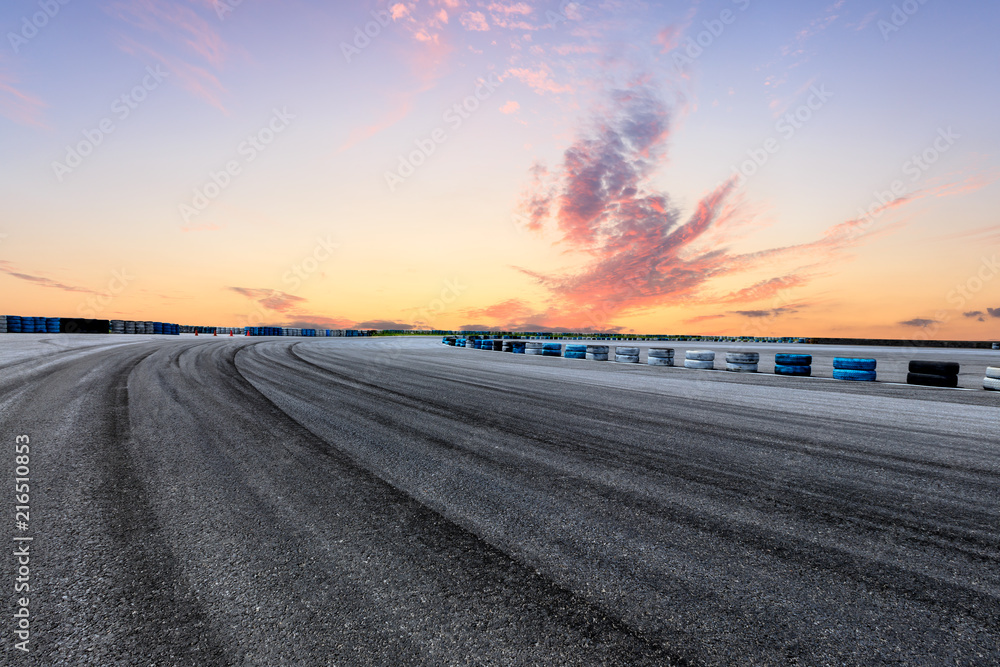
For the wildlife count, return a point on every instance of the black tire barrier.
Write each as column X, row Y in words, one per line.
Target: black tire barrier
column 996, row 346
column 932, row 380
column 784, row 359
column 934, row 367
column 508, row 346
column 498, row 346
column 854, row 364
column 853, row 375
column 85, row 326
column 797, row 371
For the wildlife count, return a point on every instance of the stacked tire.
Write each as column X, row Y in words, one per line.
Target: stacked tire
column 129, row 327
column 627, row 355
column 798, row 365
column 52, row 324
column 552, row 349
column 517, row 347
column 992, row 379
column 3, row 324
column 118, row 326
column 854, row 369
column 742, row 362
column 533, row 348
column 699, row 359
column 933, row 373
column 148, row 327
column 14, row 324
column 598, row 352
column 576, row 352
column 660, row 356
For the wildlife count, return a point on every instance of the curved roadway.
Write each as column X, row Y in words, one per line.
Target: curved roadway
column 221, row 501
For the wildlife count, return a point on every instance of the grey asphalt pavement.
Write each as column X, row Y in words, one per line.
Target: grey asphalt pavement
column 268, row 501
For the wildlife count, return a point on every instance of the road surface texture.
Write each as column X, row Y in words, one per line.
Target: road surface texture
column 269, row 501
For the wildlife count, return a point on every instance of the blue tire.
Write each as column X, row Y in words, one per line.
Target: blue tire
column 575, row 355
column 854, row 364
column 576, row 348
column 793, row 360
column 854, row 375
column 801, row 371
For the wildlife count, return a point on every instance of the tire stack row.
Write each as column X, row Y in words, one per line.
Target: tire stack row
column 933, row 373
column 742, row 362
column 660, row 356
column 992, row 379
column 118, row 326
column 797, row 365
column 854, row 369
column 699, row 359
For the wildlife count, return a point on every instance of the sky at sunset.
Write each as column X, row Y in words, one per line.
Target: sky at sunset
column 733, row 167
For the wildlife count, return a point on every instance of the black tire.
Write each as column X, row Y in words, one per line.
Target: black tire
column 934, row 367
column 930, row 380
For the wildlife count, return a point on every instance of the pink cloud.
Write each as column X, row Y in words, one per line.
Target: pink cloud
column 510, row 107
column 539, row 80
column 17, row 105
column 474, row 21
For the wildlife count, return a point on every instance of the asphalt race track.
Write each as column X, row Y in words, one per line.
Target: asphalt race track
column 269, row 501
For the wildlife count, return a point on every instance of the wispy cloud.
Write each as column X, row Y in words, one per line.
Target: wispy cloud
column 42, row 281
column 16, row 104
column 919, row 322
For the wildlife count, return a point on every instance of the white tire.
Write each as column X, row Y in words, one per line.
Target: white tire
column 993, row 373
column 741, row 368
column 660, row 361
column 661, row 353
column 742, row 357
column 627, row 358
column 627, row 351
column 594, row 356
column 598, row 349
column 537, row 351
column 700, row 355
column 699, row 364
column 533, row 345
column 993, row 384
